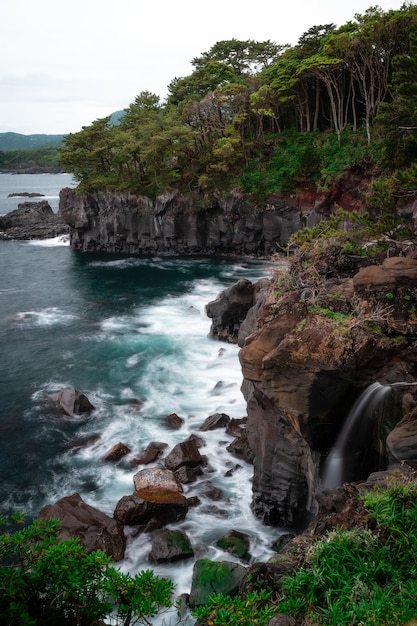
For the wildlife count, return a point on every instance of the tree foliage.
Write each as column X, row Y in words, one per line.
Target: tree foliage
column 46, row 582
column 225, row 121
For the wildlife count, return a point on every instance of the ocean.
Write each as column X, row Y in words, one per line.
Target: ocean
column 132, row 334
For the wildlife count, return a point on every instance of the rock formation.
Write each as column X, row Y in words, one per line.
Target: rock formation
column 32, row 220
column 308, row 358
column 174, row 224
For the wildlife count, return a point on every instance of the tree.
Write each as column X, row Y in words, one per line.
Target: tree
column 45, row 582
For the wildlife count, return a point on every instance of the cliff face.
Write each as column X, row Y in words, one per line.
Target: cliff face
column 303, row 372
column 174, row 224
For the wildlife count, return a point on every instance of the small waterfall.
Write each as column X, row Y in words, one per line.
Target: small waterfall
column 352, row 446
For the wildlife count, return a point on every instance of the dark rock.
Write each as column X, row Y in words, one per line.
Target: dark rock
column 229, row 310
column 152, row 512
column 118, row 451
column 72, row 402
column 211, row 577
column 32, row 220
column 82, row 442
column 236, row 543
column 173, row 421
column 153, row 450
column 185, row 453
column 122, row 222
column 96, row 530
column 186, row 475
column 240, row 448
column 217, row 420
column 169, row 546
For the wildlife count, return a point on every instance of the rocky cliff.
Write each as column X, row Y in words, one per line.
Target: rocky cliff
column 308, row 351
column 174, row 224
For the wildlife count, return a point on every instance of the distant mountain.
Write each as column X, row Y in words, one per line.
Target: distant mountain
column 16, row 141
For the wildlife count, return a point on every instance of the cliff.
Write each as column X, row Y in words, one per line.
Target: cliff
column 307, row 353
column 173, row 224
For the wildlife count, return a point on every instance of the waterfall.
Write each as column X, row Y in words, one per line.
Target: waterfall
column 352, row 446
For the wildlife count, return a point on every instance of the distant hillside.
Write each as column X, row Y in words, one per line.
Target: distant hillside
column 16, row 141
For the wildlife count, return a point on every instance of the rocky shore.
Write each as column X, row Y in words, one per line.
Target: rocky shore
column 32, row 220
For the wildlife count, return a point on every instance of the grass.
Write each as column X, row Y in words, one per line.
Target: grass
column 358, row 576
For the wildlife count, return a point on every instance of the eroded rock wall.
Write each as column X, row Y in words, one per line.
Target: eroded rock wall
column 175, row 224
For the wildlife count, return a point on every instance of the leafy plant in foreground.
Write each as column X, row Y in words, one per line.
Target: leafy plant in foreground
column 47, row 582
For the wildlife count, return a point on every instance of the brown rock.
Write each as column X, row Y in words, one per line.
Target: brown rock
column 185, row 453
column 96, row 530
column 118, row 451
column 174, row 421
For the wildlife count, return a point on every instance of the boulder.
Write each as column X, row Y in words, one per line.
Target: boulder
column 236, row 543
column 158, row 485
column 173, row 421
column 118, row 451
column 72, row 402
column 95, row 530
column 151, row 513
column 153, row 450
column 217, row 420
column 212, row 577
column 184, row 453
column 169, row 546
column 402, row 442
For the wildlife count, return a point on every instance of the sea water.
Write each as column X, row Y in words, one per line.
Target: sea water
column 133, row 335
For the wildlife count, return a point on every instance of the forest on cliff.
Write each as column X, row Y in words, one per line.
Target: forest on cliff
column 265, row 118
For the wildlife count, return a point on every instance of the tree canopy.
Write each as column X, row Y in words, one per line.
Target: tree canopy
column 246, row 104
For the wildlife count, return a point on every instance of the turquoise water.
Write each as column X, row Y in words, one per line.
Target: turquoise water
column 132, row 334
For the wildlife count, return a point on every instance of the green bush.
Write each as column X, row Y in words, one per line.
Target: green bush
column 46, row 582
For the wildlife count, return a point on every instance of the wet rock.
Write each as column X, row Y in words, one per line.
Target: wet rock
column 217, row 420
column 240, row 447
column 151, row 513
column 173, row 421
column 72, row 402
column 186, row 475
column 95, row 530
column 118, row 451
column 235, row 427
column 211, row 577
column 221, row 387
column 149, row 454
column 185, row 453
column 32, row 220
column 169, row 546
column 229, row 310
column 82, row 442
column 236, row 543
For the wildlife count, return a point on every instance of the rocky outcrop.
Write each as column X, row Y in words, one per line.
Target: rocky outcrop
column 32, row 220
column 172, row 224
column 310, row 356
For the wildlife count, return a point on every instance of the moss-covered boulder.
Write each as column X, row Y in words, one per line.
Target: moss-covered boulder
column 214, row 577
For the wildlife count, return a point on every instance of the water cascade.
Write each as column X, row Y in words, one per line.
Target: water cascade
column 351, row 451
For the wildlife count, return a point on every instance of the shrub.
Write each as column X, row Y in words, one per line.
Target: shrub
column 47, row 582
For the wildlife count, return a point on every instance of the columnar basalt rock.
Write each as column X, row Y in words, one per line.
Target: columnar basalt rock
column 174, row 224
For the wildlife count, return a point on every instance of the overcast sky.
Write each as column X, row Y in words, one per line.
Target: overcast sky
column 65, row 64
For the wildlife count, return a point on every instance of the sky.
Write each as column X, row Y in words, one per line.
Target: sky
column 65, row 64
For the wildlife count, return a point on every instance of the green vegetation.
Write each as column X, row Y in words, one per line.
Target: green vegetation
column 354, row 576
column 47, row 582
column 46, row 159
column 266, row 118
